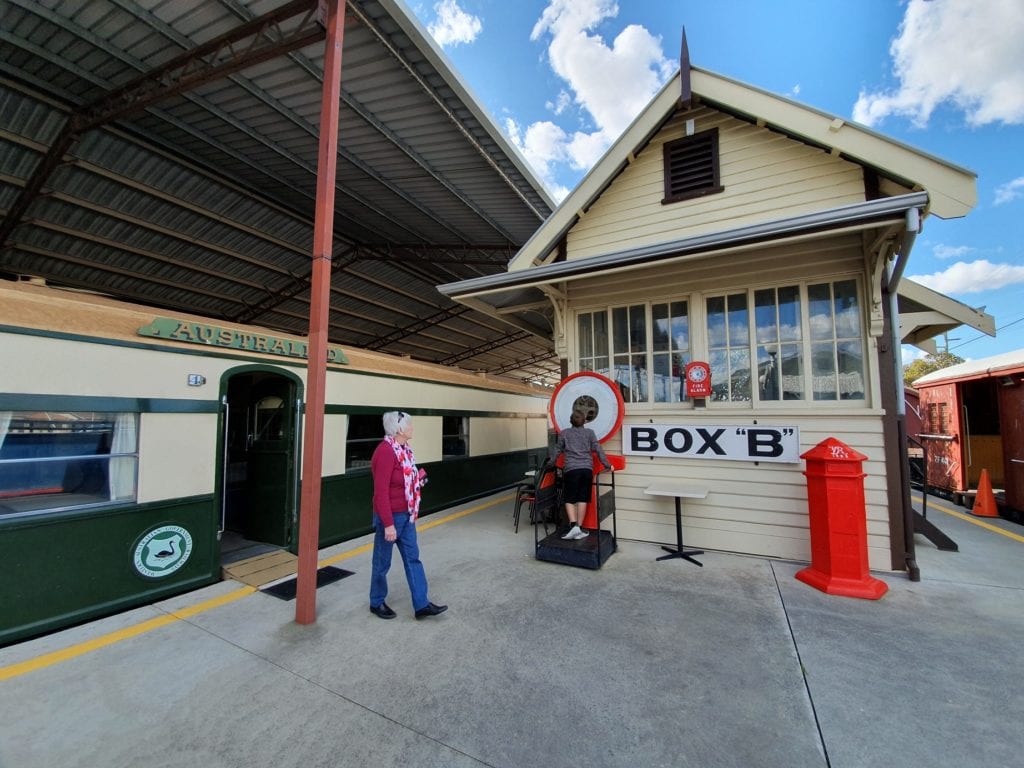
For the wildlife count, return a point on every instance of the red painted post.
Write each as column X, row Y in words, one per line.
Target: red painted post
column 320, row 304
column 838, row 512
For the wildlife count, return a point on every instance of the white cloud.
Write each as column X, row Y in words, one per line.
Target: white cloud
column 610, row 84
column 543, row 145
column 453, row 25
column 951, row 251
column 1010, row 191
column 964, row 52
column 972, row 277
column 559, row 105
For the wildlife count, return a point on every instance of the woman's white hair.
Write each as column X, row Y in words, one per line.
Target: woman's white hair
column 395, row 421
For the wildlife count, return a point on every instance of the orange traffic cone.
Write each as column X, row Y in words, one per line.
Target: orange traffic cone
column 985, row 500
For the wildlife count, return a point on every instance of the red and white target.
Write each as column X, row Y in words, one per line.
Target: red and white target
column 594, row 395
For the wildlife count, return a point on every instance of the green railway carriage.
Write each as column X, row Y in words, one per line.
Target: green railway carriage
column 133, row 445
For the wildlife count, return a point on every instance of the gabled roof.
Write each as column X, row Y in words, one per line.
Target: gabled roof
column 520, row 297
column 951, row 189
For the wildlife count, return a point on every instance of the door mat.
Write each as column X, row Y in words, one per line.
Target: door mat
column 262, row 569
column 326, row 575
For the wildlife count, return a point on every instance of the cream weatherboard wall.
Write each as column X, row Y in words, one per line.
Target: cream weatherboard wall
column 757, row 509
column 765, row 176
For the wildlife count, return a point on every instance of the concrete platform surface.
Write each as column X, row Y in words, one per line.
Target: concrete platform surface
column 639, row 664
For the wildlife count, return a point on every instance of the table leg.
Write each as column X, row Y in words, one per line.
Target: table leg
column 679, row 551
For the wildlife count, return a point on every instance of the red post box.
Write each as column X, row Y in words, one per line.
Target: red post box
column 839, row 535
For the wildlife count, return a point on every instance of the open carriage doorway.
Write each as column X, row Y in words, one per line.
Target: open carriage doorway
column 259, row 493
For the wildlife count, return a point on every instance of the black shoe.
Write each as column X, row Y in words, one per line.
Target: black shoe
column 430, row 610
column 383, row 611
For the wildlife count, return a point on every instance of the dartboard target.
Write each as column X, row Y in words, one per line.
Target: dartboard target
column 594, row 395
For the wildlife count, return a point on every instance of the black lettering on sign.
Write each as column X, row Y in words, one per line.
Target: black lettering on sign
column 644, row 439
column 711, row 441
column 764, row 443
column 670, row 440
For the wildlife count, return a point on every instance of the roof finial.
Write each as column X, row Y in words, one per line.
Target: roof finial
column 684, row 73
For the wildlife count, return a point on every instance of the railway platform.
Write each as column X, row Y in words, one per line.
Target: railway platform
column 641, row 664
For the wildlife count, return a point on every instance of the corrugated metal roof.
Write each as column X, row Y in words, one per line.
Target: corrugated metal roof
column 1007, row 361
column 204, row 200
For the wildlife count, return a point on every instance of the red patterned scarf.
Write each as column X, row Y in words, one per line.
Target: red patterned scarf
column 410, row 475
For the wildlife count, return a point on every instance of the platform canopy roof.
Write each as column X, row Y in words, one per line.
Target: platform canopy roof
column 165, row 152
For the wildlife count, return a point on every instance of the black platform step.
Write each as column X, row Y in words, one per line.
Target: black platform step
column 591, row 552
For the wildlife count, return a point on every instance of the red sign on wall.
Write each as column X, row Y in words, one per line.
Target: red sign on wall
column 698, row 379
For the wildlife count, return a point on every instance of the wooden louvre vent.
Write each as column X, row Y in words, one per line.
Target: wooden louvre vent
column 691, row 166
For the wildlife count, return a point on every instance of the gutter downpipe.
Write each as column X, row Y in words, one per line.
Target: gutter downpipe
column 913, row 226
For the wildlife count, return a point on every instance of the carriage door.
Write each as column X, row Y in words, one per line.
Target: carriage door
column 261, row 438
column 1011, row 409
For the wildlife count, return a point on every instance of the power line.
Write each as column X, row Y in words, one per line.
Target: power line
column 982, row 336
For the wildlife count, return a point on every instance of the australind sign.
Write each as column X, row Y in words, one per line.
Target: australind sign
column 703, row 441
column 233, row 338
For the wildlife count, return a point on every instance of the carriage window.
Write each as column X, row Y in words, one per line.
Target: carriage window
column 454, row 436
column 364, row 433
column 51, row 461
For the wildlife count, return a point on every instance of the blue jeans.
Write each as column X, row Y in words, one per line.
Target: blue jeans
column 410, row 551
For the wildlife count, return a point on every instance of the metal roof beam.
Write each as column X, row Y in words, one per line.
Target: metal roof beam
column 173, row 77
column 356, row 106
column 67, row 258
column 420, row 325
column 437, row 254
column 214, row 59
column 488, row 347
column 370, row 119
column 540, row 357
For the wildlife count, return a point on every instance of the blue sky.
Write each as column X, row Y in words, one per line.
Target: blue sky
column 563, row 79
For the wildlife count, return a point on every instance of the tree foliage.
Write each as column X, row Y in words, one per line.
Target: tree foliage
column 928, row 364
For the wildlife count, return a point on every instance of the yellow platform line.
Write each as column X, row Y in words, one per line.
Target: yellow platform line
column 981, row 523
column 71, row 652
column 49, row 659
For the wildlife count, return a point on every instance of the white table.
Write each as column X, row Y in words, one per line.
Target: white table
column 678, row 491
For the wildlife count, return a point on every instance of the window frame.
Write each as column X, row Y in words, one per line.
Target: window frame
column 61, row 499
column 649, row 353
column 367, row 419
column 462, row 435
column 699, row 343
column 806, row 343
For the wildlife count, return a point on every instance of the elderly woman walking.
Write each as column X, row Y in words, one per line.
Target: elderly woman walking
column 396, row 503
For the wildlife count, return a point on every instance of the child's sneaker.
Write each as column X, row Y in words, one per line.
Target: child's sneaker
column 573, row 533
column 580, row 533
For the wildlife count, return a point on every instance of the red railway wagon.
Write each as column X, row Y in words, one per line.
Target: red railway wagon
column 972, row 418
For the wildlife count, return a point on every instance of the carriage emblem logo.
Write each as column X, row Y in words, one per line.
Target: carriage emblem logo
column 162, row 551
